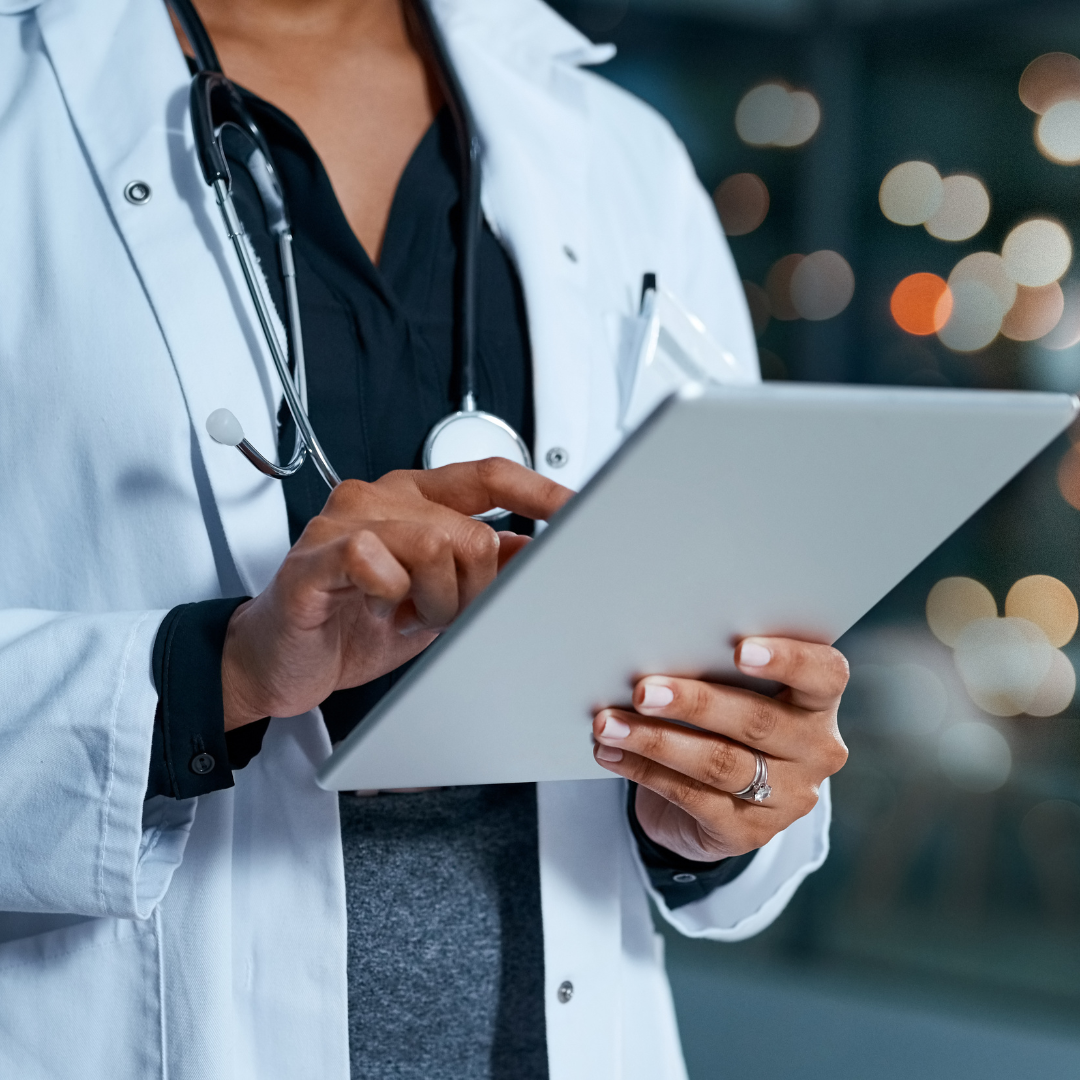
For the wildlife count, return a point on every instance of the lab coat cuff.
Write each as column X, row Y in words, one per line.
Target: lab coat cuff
column 679, row 881
column 747, row 905
column 191, row 752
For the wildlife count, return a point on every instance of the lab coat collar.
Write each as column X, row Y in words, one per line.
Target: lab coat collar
column 523, row 27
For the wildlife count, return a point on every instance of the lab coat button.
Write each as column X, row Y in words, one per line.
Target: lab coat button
column 565, row 991
column 684, row 879
column 556, row 457
column 138, row 192
column 202, row 764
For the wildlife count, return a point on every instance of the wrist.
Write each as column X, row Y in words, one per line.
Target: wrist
column 237, row 698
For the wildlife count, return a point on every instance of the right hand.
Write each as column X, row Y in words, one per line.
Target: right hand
column 372, row 581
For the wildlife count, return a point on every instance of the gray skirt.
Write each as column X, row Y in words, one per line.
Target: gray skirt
column 446, row 950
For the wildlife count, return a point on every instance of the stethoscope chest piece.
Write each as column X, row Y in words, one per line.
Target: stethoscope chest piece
column 471, row 436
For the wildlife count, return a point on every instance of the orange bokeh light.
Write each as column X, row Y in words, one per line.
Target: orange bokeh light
column 921, row 304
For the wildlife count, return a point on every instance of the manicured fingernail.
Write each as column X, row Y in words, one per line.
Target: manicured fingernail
column 608, row 753
column 656, row 696
column 753, row 654
column 614, row 728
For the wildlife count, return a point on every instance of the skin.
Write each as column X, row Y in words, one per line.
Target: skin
column 386, row 566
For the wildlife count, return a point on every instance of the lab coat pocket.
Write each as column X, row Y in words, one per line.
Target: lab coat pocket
column 82, row 1001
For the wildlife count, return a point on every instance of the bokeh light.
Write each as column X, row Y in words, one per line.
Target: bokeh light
column 1048, row 79
column 975, row 318
column 953, row 603
column 1046, row 602
column 1035, row 313
column 1057, row 133
column 964, row 210
column 772, row 114
column 805, row 119
column 1037, row 252
column 975, row 756
column 1057, row 689
column 778, row 287
column 822, row 285
column 765, row 114
column 1068, row 477
column 921, row 304
column 1067, row 332
column 911, row 193
column 1002, row 663
column 757, row 300
column 742, row 201
column 988, row 268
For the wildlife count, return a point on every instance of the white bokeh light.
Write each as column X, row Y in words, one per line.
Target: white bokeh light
column 964, row 210
column 1037, row 252
column 975, row 756
column 911, row 193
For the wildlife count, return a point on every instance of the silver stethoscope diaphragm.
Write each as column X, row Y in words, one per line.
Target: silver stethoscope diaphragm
column 472, row 435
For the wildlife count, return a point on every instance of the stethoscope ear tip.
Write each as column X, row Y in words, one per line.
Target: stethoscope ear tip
column 224, row 428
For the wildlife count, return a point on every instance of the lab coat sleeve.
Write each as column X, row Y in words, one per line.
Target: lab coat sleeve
column 75, row 733
column 752, row 901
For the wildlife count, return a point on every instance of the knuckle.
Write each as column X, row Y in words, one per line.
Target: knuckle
column 691, row 700
column 430, row 545
column 480, row 543
column 837, row 755
column 491, row 469
column 721, row 764
column 650, row 740
column 761, row 720
column 838, row 670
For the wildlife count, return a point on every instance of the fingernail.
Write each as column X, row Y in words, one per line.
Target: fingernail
column 410, row 627
column 752, row 654
column 609, row 753
column 614, row 728
column 656, row 696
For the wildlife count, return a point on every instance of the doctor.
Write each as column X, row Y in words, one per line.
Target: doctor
column 180, row 899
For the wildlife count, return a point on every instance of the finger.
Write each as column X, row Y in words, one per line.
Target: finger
column 718, row 762
column 774, row 727
column 744, row 825
column 474, row 487
column 357, row 562
column 510, row 543
column 475, row 554
column 427, row 553
column 816, row 674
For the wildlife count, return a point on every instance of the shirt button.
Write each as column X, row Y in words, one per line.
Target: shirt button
column 138, row 192
column 557, row 457
column 202, row 764
column 684, row 879
column 565, row 991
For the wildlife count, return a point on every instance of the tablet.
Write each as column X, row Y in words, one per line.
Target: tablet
column 776, row 509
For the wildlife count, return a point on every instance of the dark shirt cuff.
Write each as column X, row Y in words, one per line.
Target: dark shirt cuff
column 191, row 753
column 680, row 881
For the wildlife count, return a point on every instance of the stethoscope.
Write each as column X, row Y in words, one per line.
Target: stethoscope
column 466, row 435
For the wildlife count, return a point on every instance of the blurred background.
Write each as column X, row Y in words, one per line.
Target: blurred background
column 899, row 182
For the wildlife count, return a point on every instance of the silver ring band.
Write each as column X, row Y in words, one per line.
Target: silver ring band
column 758, row 789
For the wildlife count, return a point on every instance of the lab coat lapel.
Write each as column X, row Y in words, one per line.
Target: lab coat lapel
column 531, row 118
column 125, row 84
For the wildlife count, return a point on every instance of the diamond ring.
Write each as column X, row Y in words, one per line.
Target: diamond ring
column 758, row 789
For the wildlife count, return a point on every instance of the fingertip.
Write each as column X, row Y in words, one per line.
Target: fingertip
column 753, row 653
column 607, row 754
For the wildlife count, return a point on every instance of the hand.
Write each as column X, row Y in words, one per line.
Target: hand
column 372, row 581
column 686, row 775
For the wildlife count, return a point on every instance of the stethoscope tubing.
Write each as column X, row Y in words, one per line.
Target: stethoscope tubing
column 210, row 82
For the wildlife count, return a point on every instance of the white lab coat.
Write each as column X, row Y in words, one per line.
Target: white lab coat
column 206, row 938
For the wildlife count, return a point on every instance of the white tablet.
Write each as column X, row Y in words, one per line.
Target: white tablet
column 778, row 509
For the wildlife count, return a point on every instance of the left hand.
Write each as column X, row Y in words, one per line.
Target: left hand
column 685, row 775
